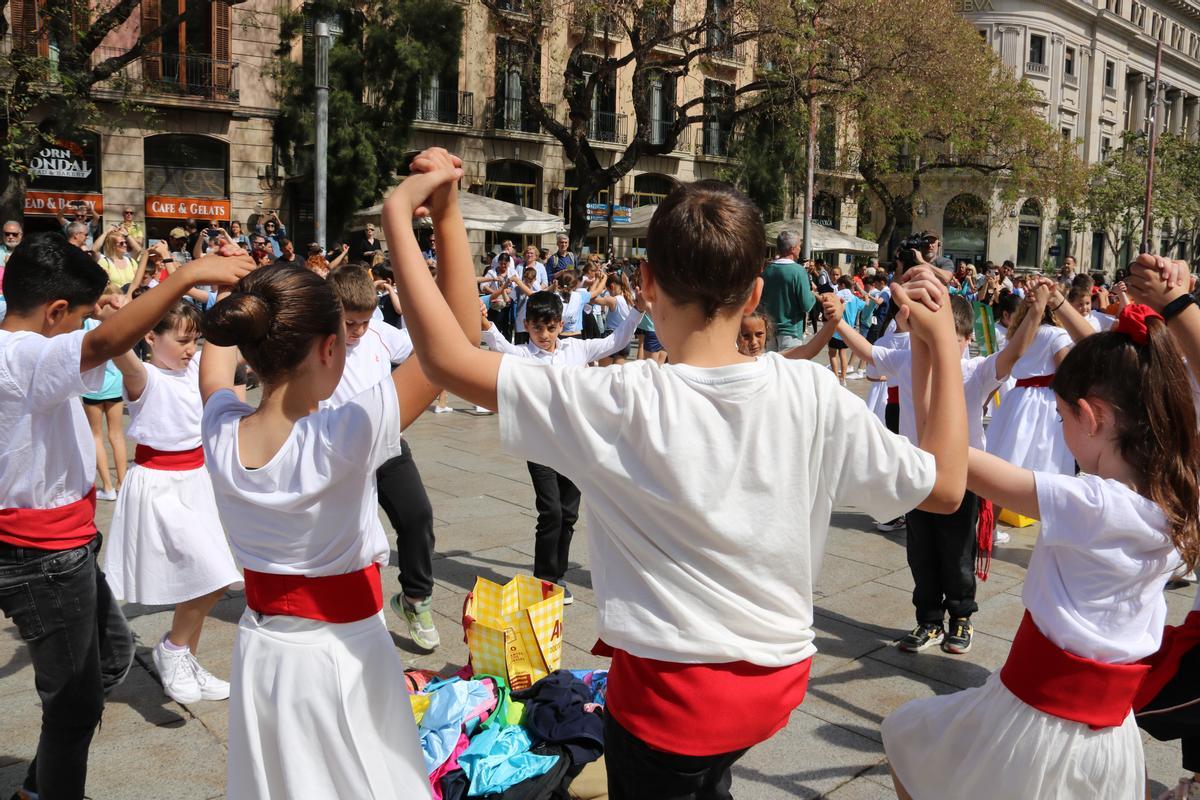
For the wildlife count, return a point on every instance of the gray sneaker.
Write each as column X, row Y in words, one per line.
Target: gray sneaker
column 420, row 621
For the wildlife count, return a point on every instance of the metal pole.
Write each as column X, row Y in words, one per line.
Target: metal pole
column 612, row 191
column 1153, row 120
column 321, row 155
column 811, row 169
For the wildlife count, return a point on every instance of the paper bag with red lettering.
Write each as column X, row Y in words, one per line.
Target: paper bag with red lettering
column 515, row 630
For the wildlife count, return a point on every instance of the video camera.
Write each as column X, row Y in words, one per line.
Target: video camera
column 916, row 241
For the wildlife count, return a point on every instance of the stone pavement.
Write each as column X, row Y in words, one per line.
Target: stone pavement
column 151, row 747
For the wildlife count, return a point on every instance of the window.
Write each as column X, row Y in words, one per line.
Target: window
column 507, row 111
column 1194, row 46
column 1037, row 49
column 514, row 182
column 720, row 30
column 1069, row 61
column 603, row 126
column 718, row 106
column 194, row 58
column 827, row 140
column 1137, row 14
column 650, row 188
column 1068, row 134
column 662, row 106
column 1110, row 74
column 1105, row 146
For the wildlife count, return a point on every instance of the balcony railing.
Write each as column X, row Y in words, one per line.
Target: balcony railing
column 605, row 126
column 507, row 114
column 714, row 142
column 447, row 106
column 658, row 134
column 1070, row 80
column 175, row 74
column 1034, row 68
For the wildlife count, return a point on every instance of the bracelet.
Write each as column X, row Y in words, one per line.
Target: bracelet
column 1176, row 306
column 1060, row 305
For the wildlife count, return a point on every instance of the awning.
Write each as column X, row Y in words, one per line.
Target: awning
column 636, row 228
column 488, row 214
column 824, row 239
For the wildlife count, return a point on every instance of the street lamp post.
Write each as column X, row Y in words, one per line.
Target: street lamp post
column 321, row 154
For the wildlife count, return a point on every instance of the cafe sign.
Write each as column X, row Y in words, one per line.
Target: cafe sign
column 47, row 204
column 70, row 164
column 164, row 207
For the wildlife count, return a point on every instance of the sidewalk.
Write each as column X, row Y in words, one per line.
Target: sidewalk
column 151, row 747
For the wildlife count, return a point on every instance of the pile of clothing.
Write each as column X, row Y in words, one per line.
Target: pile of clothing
column 480, row 739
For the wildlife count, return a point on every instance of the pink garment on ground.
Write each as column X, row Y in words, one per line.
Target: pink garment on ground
column 450, row 764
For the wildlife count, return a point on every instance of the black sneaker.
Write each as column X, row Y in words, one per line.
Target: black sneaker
column 958, row 639
column 567, row 597
column 922, row 636
column 898, row 524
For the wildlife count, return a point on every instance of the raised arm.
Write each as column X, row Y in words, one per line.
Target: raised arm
column 133, row 374
column 1006, row 485
column 435, row 183
column 391, row 293
column 98, row 243
column 139, row 274
column 619, row 339
column 118, row 334
column 831, row 306
column 1020, row 339
column 340, row 258
column 1159, row 282
column 1071, row 320
column 217, row 368
column 135, row 247
column 855, row 341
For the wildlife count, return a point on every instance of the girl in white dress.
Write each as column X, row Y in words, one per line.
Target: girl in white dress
column 1025, row 430
column 319, row 706
column 1056, row 721
column 166, row 545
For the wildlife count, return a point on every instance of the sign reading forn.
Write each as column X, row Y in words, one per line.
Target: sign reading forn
column 70, row 164
column 969, row 6
column 47, row 204
column 160, row 207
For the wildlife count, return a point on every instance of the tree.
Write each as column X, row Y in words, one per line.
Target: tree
column 385, row 53
column 961, row 111
column 1115, row 199
column 658, row 50
column 769, row 150
column 52, row 73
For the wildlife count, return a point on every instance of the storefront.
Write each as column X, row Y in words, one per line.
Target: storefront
column 62, row 175
column 187, row 177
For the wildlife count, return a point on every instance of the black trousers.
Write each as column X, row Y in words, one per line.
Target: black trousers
column 557, row 502
column 891, row 417
column 637, row 771
column 403, row 498
column 1174, row 713
column 941, row 554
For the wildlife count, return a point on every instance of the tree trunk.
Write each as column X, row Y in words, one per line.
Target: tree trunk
column 579, row 219
column 12, row 194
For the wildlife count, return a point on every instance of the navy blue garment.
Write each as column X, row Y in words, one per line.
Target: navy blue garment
column 554, row 713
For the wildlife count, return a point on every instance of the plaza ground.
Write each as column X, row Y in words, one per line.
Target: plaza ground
column 151, row 747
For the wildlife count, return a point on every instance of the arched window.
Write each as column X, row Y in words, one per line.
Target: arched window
column 185, row 165
column 965, row 228
column 651, row 188
column 516, row 182
column 1029, row 234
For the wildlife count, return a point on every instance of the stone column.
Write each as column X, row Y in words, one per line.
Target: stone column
column 1137, row 103
column 1177, row 105
column 1192, row 118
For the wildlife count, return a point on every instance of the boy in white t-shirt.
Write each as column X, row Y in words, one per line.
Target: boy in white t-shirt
column 704, row 576
column 50, row 583
column 942, row 548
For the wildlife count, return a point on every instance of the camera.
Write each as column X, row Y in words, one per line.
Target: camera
column 916, row 241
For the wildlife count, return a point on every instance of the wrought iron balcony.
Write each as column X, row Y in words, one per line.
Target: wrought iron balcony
column 605, row 126
column 184, row 75
column 447, row 106
column 507, row 114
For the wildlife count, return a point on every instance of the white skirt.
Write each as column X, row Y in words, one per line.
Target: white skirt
column 1025, row 431
column 877, row 399
column 319, row 709
column 166, row 544
column 985, row 744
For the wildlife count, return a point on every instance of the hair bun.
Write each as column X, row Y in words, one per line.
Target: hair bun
column 239, row 320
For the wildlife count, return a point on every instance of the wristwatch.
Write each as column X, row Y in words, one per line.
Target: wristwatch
column 1177, row 305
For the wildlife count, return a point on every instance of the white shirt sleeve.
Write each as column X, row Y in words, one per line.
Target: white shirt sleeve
column 495, row 341
column 368, row 423
column 619, row 339
column 398, row 343
column 892, row 363
column 560, row 416
column 866, row 464
column 981, row 382
column 46, row 370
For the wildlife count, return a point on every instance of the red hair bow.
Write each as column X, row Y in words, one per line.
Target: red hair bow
column 1132, row 322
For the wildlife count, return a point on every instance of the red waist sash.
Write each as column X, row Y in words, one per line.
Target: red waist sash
column 1036, row 382
column 1176, row 642
column 63, row 528
column 893, row 394
column 170, row 460
column 1043, row 675
column 329, row 598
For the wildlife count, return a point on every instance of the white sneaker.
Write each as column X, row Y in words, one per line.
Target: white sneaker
column 442, row 410
column 177, row 674
column 1001, row 537
column 106, row 494
column 481, row 411
column 211, row 687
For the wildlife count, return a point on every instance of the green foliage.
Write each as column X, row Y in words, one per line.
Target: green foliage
column 768, row 155
column 385, row 51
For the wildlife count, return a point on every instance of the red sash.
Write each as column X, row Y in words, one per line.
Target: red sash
column 329, row 598
column 62, row 528
column 169, row 460
column 1043, row 675
column 1176, row 642
column 1036, row 382
column 893, row 395
column 670, row 706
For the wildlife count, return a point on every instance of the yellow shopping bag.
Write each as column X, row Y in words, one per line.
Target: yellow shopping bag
column 515, row 630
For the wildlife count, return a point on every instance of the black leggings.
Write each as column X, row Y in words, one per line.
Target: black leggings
column 403, row 498
column 637, row 771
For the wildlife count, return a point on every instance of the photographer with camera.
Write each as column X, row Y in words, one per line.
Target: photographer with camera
column 79, row 212
column 271, row 229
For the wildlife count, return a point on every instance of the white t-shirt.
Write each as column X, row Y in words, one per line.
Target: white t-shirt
column 522, row 300
column 167, row 414
column 1038, row 359
column 1096, row 575
column 696, row 564
column 47, row 453
column 573, row 311
column 617, row 314
column 892, row 339
column 571, row 351
column 979, row 381
column 897, row 366
column 313, row 508
column 1100, row 322
column 370, row 361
